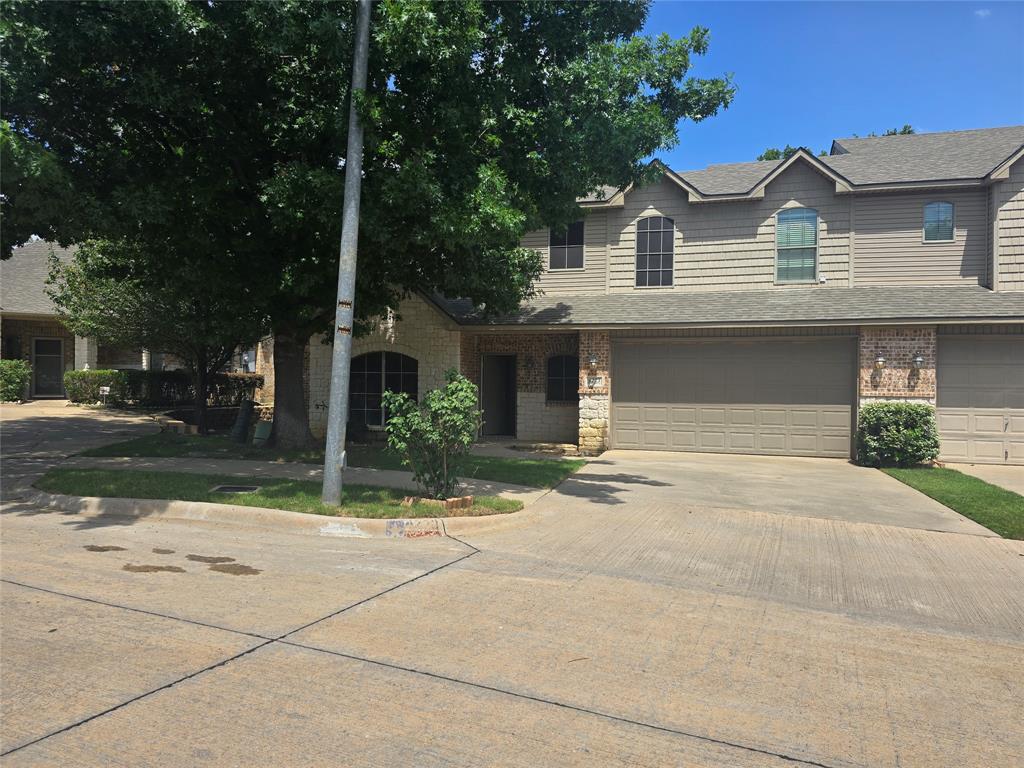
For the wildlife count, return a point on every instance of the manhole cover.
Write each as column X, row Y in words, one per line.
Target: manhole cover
column 235, row 489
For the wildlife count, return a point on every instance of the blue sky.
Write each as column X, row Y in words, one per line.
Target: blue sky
column 810, row 72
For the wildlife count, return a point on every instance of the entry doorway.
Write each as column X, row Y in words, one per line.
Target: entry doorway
column 498, row 395
column 47, row 367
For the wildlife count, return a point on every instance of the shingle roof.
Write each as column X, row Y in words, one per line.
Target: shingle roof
column 925, row 156
column 819, row 305
column 729, row 178
column 23, row 278
column 917, row 157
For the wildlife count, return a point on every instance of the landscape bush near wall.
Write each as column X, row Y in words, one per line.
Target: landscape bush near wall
column 84, row 386
column 156, row 389
column 14, row 377
column 896, row 434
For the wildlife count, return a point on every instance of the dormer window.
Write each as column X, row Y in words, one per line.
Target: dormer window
column 565, row 248
column 938, row 222
column 654, row 246
column 796, row 245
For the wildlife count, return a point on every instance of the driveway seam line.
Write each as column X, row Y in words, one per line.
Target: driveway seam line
column 562, row 705
column 223, row 662
column 135, row 610
column 365, row 600
column 132, row 700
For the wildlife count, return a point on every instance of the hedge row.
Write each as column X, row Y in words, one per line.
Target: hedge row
column 156, row 388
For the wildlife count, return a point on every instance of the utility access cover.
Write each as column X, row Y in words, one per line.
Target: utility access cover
column 235, row 489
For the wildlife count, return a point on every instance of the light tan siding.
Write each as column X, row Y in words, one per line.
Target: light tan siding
column 566, row 282
column 731, row 246
column 1009, row 204
column 890, row 240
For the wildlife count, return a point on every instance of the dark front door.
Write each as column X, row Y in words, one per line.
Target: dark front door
column 48, row 367
column 498, row 394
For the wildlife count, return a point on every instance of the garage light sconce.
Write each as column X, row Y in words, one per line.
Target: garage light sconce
column 879, row 363
column 592, row 360
column 917, row 362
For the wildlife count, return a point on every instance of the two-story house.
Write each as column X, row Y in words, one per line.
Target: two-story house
column 749, row 308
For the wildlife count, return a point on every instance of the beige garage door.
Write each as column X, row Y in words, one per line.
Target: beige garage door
column 760, row 396
column 981, row 398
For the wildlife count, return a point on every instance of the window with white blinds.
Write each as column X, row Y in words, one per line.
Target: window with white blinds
column 938, row 222
column 796, row 245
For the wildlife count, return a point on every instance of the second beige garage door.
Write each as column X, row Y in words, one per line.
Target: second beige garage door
column 981, row 398
column 790, row 398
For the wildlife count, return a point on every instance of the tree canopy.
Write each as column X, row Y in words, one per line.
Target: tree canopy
column 221, row 127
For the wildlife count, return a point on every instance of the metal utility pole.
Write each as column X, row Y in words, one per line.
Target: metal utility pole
column 341, row 360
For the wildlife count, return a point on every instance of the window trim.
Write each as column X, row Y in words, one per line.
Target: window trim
column 817, row 247
column 636, row 255
column 547, row 380
column 924, row 235
column 583, row 247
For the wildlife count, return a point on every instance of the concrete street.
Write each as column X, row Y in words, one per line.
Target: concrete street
column 654, row 610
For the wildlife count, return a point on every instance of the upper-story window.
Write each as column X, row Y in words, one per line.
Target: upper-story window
column 654, row 243
column 938, row 222
column 565, row 248
column 796, row 245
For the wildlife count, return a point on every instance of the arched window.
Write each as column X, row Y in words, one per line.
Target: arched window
column 654, row 247
column 563, row 379
column 373, row 373
column 796, row 245
column 938, row 222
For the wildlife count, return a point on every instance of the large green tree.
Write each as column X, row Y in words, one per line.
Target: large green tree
column 227, row 121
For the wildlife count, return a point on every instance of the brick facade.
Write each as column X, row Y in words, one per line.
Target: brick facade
column 421, row 333
column 18, row 334
column 536, row 418
column 898, row 378
column 595, row 391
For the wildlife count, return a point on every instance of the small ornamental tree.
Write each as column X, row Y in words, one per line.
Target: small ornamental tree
column 896, row 434
column 434, row 437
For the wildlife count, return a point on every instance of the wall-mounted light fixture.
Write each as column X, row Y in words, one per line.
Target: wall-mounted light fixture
column 917, row 362
column 879, row 363
column 592, row 360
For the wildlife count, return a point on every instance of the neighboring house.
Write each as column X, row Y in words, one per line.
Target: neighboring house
column 749, row 308
column 31, row 330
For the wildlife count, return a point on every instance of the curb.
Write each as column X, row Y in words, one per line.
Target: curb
column 264, row 517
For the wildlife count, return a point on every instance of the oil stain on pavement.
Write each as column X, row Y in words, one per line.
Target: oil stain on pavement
column 103, row 548
column 131, row 567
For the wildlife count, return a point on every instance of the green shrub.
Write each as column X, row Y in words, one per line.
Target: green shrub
column 14, row 377
column 84, row 386
column 896, row 434
column 433, row 437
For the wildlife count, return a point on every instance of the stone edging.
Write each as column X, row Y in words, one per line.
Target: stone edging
column 292, row 522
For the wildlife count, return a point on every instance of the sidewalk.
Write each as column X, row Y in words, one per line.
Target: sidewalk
column 296, row 471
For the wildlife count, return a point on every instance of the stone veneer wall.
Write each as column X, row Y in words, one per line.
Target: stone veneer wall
column 536, row 418
column 595, row 391
column 421, row 333
column 898, row 380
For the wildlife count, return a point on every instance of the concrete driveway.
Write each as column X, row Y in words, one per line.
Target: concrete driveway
column 619, row 621
column 822, row 488
column 39, row 434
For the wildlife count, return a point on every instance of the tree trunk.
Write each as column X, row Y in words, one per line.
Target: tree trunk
column 291, row 414
column 200, row 379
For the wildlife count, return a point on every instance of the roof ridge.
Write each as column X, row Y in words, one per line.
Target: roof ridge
column 930, row 133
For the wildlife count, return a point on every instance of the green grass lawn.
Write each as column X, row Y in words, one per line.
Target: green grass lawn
column 999, row 510
column 536, row 473
column 275, row 493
